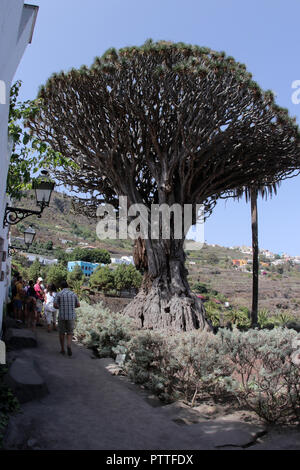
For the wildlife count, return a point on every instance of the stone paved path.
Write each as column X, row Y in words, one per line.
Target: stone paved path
column 89, row 409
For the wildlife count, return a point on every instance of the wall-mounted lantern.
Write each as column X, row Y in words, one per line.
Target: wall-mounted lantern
column 29, row 235
column 43, row 189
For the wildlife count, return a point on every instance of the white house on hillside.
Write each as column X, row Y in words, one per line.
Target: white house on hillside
column 247, row 250
column 123, row 260
column 45, row 261
column 17, row 22
column 267, row 254
column 277, row 262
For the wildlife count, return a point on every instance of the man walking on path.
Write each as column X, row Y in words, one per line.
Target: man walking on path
column 66, row 302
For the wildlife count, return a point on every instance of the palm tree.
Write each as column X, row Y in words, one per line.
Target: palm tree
column 255, row 254
column 252, row 193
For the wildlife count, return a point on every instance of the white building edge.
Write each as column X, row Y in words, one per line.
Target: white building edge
column 17, row 21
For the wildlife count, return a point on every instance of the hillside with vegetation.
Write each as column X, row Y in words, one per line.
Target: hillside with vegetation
column 279, row 286
column 60, row 229
column 65, row 229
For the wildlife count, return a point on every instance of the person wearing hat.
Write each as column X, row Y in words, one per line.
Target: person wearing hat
column 39, row 292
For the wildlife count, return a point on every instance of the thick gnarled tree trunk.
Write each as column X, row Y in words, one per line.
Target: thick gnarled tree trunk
column 165, row 299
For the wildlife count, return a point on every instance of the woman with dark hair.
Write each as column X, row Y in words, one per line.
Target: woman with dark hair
column 49, row 310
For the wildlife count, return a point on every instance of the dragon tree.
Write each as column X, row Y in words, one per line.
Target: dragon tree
column 164, row 123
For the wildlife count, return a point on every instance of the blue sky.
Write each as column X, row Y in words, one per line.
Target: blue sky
column 263, row 34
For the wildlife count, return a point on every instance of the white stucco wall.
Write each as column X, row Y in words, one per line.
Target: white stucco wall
column 16, row 27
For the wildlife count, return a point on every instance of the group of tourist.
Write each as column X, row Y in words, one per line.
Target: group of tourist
column 32, row 302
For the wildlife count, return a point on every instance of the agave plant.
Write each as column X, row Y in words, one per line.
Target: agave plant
column 263, row 317
column 238, row 317
column 284, row 318
column 212, row 313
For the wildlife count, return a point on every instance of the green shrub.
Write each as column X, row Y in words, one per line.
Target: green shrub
column 127, row 277
column 103, row 279
column 212, row 258
column 92, row 256
column 117, row 329
column 264, row 317
column 221, row 297
column 239, row 317
column 284, row 318
column 56, row 274
column 87, row 319
column 187, row 365
column 35, row 270
column 123, row 277
column 252, row 367
column 75, row 275
column 152, row 364
column 102, row 330
column 269, row 383
column 49, row 245
column 213, row 312
column 200, row 288
column 201, row 365
column 78, row 289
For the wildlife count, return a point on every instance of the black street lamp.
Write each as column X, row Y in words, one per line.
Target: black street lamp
column 43, row 189
column 29, row 235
